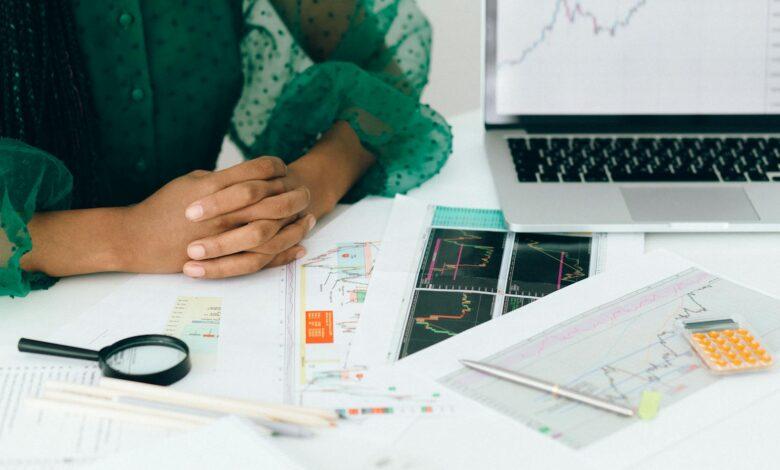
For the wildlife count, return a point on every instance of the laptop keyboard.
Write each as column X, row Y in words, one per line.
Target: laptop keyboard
column 633, row 160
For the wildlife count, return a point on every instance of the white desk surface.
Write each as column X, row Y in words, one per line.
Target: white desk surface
column 464, row 181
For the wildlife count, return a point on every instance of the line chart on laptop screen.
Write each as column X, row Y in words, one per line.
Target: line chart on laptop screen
column 638, row 57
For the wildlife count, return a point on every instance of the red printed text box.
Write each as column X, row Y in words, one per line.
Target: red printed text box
column 319, row 326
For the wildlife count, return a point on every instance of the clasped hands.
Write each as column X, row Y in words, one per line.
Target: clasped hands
column 223, row 223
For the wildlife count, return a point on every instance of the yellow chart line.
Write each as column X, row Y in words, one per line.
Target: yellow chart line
column 302, row 324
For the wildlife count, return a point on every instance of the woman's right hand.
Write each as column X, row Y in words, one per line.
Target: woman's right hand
column 158, row 232
column 153, row 236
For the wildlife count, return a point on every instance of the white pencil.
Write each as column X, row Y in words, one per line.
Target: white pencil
column 291, row 414
column 119, row 390
column 142, row 411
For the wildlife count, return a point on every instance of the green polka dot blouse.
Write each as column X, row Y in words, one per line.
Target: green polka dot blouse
column 171, row 78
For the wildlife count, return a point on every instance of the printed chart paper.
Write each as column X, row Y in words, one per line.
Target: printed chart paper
column 614, row 336
column 326, row 298
column 35, row 438
column 444, row 270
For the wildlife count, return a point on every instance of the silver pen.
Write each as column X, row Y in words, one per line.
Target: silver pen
column 554, row 389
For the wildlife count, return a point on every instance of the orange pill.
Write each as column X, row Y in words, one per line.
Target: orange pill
column 731, row 355
column 742, row 331
column 719, row 340
column 750, row 360
column 740, row 347
column 736, row 362
column 728, row 332
column 713, row 334
column 699, row 336
column 760, row 351
column 721, row 363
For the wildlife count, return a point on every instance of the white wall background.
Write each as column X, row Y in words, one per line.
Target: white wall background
column 454, row 85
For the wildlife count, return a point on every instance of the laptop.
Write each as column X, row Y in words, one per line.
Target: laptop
column 629, row 115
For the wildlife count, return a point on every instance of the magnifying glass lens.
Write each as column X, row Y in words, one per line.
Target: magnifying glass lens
column 145, row 359
column 154, row 359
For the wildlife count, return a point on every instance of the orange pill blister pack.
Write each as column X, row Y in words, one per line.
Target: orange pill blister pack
column 726, row 344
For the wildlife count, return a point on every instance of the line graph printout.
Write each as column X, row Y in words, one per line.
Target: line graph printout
column 616, row 351
column 326, row 292
column 332, row 284
column 444, row 270
column 638, row 57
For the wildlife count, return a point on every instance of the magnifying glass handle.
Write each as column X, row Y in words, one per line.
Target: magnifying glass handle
column 51, row 349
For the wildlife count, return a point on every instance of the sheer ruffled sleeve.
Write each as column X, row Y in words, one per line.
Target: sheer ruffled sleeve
column 310, row 63
column 31, row 180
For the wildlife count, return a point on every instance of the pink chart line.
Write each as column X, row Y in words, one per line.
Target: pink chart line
column 457, row 263
column 436, row 247
column 571, row 12
column 536, row 348
column 560, row 269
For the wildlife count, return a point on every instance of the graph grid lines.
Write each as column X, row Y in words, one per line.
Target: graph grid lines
column 616, row 351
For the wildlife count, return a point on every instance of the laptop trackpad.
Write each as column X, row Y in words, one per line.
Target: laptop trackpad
column 689, row 204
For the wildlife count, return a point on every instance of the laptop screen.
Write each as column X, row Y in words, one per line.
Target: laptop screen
column 636, row 57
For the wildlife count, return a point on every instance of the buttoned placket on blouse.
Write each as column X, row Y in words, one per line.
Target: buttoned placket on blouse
column 119, row 29
column 126, row 21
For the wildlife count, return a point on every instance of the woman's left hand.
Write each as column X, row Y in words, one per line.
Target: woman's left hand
column 271, row 221
column 274, row 215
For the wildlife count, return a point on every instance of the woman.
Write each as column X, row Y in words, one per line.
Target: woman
column 111, row 111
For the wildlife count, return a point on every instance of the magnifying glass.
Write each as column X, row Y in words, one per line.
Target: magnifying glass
column 153, row 359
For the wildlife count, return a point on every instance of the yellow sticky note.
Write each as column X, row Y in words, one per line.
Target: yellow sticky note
column 649, row 404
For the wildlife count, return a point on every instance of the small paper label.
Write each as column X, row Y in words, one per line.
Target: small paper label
column 649, row 404
column 319, row 326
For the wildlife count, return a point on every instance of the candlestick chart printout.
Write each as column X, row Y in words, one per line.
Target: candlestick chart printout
column 445, row 270
column 467, row 276
column 617, row 351
column 543, row 263
column 462, row 260
column 616, row 57
column 469, row 309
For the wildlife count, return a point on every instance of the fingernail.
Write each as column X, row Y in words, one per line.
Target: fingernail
column 194, row 270
column 194, row 212
column 311, row 222
column 196, row 251
column 301, row 253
